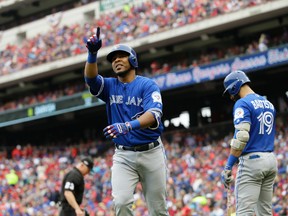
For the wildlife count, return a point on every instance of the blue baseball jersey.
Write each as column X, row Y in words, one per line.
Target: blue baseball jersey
column 128, row 101
column 260, row 113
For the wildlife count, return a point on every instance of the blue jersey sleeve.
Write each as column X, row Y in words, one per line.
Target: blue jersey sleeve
column 96, row 85
column 152, row 100
column 241, row 113
column 100, row 86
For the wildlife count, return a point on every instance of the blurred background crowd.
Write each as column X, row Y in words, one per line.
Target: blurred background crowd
column 65, row 41
column 133, row 22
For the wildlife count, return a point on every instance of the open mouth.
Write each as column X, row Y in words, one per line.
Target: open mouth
column 118, row 67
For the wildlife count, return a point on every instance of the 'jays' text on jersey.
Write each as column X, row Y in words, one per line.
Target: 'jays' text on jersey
column 260, row 113
column 128, row 101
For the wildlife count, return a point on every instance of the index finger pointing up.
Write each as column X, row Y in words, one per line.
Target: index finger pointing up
column 98, row 32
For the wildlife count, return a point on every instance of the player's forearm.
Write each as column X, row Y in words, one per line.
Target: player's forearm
column 235, row 152
column 146, row 120
column 71, row 199
column 91, row 70
column 233, row 158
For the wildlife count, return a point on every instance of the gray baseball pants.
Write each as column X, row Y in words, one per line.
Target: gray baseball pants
column 147, row 167
column 254, row 184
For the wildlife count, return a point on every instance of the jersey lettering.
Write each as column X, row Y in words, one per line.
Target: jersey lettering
column 132, row 101
column 117, row 99
column 69, row 185
column 266, row 120
column 262, row 104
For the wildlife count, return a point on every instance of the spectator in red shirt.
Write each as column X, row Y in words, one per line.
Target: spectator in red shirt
column 16, row 152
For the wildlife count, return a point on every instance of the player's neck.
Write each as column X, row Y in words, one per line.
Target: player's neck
column 245, row 90
column 129, row 77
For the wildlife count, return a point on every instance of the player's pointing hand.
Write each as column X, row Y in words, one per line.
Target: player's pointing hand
column 94, row 43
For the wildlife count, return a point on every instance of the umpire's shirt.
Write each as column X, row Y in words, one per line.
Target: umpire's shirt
column 74, row 182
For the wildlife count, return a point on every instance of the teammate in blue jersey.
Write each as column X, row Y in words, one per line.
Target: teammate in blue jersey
column 252, row 145
column 134, row 110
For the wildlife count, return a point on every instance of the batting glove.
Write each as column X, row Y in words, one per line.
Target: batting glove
column 226, row 177
column 116, row 130
column 119, row 129
column 93, row 44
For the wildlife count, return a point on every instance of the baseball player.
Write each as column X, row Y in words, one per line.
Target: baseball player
column 134, row 110
column 73, row 188
column 252, row 145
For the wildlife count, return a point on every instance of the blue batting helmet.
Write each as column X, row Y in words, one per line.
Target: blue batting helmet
column 121, row 47
column 234, row 81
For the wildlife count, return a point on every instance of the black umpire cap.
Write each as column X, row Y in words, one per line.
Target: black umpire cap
column 88, row 162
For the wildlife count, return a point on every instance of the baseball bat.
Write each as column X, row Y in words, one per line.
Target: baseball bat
column 229, row 205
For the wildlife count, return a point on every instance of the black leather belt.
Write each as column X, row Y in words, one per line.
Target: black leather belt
column 144, row 147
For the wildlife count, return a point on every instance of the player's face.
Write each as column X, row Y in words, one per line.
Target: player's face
column 120, row 63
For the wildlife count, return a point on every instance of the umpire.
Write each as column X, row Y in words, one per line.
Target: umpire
column 73, row 188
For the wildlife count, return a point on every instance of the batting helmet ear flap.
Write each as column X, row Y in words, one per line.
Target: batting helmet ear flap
column 133, row 61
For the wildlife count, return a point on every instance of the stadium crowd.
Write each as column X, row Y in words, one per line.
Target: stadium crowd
column 37, row 15
column 150, row 69
column 133, row 22
column 195, row 161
